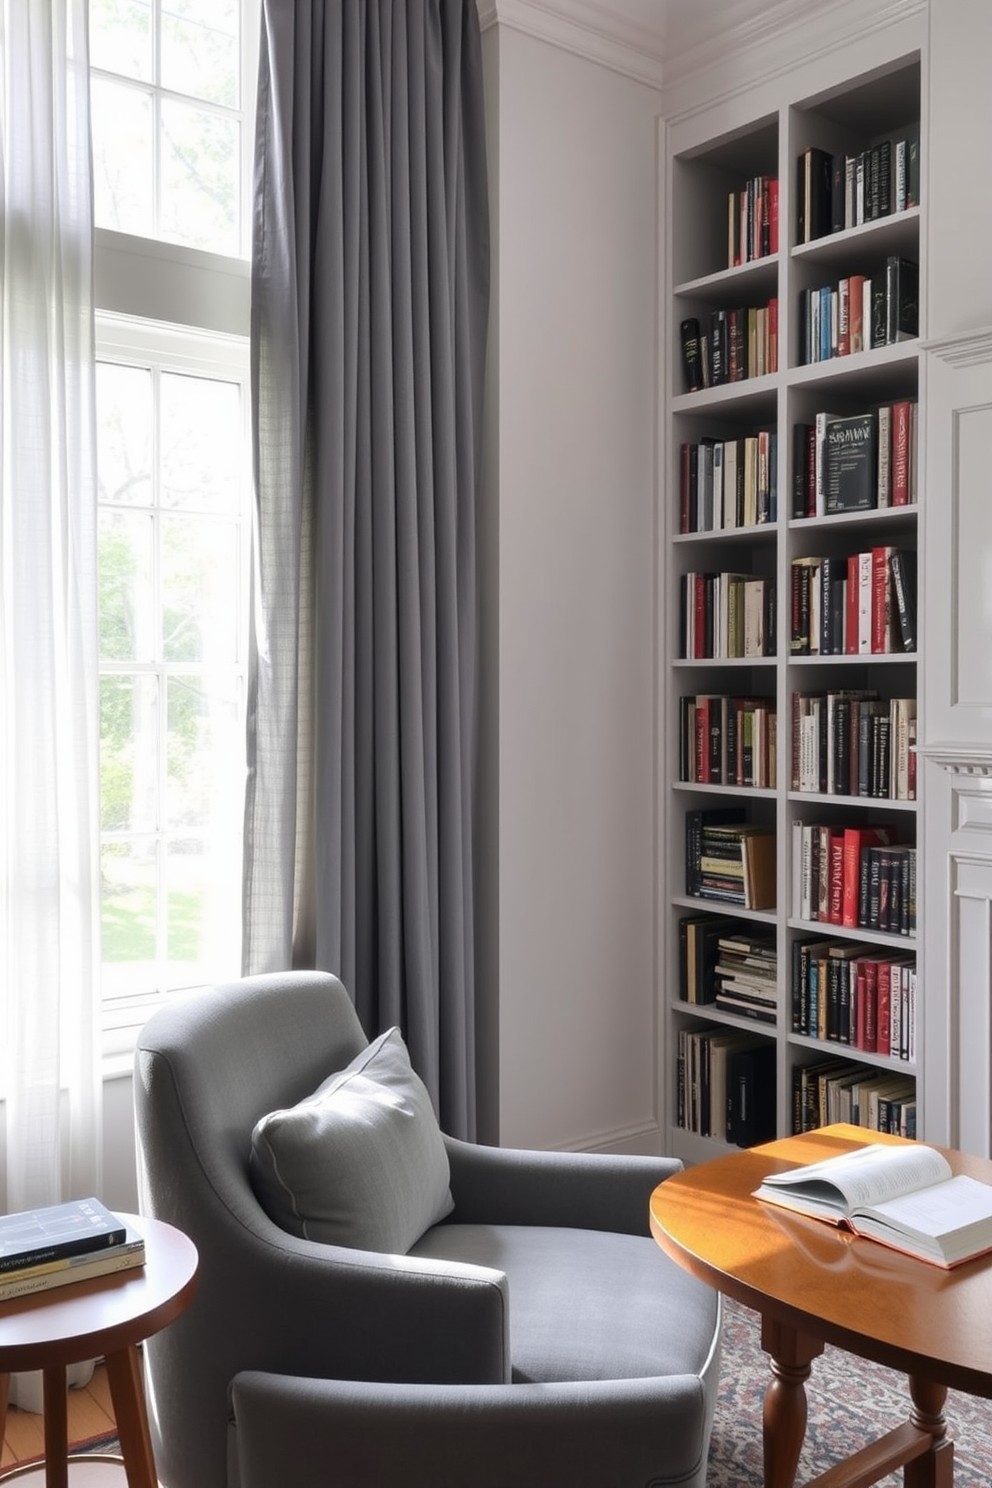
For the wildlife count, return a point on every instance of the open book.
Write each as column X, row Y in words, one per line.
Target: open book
column 905, row 1197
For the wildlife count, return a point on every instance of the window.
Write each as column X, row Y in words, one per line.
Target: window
column 172, row 81
column 174, row 528
column 170, row 144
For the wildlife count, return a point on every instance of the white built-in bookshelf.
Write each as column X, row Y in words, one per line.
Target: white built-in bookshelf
column 829, row 738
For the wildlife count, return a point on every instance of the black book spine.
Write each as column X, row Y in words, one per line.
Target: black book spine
column 878, row 314
column 913, row 171
column 771, row 617
column 693, row 850
column 684, row 959
column 838, row 165
column 885, row 178
column 902, row 564
column 692, row 358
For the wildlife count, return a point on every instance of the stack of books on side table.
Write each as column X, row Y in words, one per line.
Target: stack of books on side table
column 61, row 1244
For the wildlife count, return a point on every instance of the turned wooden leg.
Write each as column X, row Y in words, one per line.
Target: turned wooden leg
column 936, row 1468
column 784, row 1421
column 127, row 1390
column 56, row 1427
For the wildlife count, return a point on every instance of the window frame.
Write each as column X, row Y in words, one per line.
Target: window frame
column 189, row 310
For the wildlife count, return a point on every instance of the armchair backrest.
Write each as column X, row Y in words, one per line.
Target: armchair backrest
column 206, row 1069
column 209, row 1067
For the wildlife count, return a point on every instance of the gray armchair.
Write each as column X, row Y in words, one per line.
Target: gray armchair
column 535, row 1336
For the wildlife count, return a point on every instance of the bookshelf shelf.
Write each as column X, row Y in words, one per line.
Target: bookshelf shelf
column 863, row 103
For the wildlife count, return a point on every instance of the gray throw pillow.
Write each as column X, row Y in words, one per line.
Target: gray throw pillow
column 360, row 1162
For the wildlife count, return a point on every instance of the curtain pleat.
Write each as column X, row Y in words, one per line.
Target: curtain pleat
column 369, row 314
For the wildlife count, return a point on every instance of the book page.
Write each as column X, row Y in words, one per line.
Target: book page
column 869, row 1175
column 940, row 1209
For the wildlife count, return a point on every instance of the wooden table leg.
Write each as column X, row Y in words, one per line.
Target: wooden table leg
column 127, row 1391
column 4, row 1398
column 56, row 1427
column 936, row 1468
column 784, row 1423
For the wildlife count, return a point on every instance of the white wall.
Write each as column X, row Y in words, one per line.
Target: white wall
column 570, row 579
column 959, row 285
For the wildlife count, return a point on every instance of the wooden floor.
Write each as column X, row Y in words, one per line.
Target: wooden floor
column 91, row 1414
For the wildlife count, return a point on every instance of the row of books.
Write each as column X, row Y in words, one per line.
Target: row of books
column 726, row 615
column 837, row 190
column 725, row 1084
column 859, row 876
column 858, row 604
column 856, row 462
column 752, row 221
column 726, row 740
column 847, row 993
column 729, row 345
column 59, row 1244
column 721, row 965
column 729, row 483
column 728, row 859
column 854, row 743
column 837, row 1089
column 860, row 312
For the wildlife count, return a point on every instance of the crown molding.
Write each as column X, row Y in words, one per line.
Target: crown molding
column 586, row 30
column 754, row 39
column 783, row 35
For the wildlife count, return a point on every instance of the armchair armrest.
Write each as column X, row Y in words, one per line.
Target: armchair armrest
column 330, row 1311
column 581, row 1190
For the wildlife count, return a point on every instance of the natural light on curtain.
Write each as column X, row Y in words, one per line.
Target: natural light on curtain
column 49, row 736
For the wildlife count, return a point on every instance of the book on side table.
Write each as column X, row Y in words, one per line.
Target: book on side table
column 62, row 1243
column 904, row 1197
column 49, row 1274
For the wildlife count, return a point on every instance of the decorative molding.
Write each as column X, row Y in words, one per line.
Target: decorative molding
column 747, row 40
column 958, row 759
column 588, row 31
column 781, row 38
column 962, row 348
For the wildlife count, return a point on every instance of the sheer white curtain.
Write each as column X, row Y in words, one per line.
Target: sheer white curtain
column 49, row 855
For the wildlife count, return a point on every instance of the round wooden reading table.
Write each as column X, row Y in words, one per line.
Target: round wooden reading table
column 108, row 1316
column 813, row 1284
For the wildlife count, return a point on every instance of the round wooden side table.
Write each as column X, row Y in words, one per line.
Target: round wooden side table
column 107, row 1317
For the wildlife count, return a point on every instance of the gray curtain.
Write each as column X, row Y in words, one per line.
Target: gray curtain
column 370, row 286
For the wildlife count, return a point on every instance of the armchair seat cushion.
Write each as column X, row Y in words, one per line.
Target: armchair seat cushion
column 588, row 1304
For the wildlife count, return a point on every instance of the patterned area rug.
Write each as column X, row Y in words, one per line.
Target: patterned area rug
column 851, row 1402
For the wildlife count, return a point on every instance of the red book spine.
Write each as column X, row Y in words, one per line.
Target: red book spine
column 851, row 874
column 871, row 1045
column 855, row 319
column 835, row 909
column 699, row 602
column 703, row 740
column 900, row 453
column 773, row 216
column 851, row 607
column 843, row 318
column 881, row 601
column 883, row 1035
